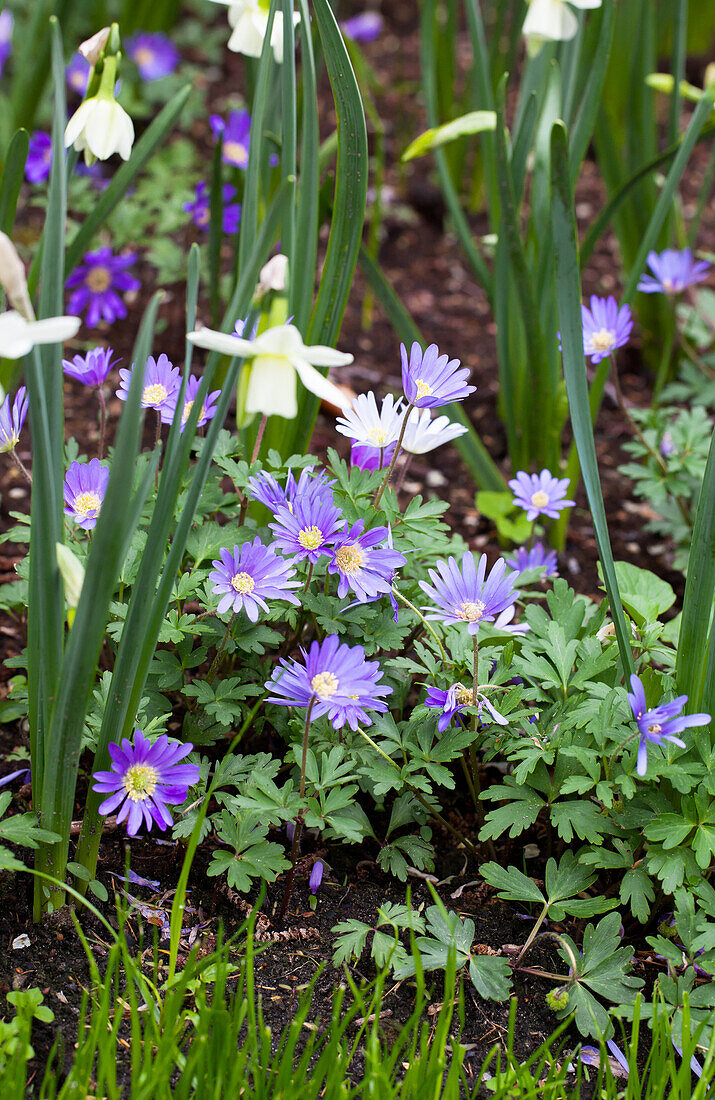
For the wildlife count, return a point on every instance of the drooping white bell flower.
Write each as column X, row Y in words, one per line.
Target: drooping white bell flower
column 249, row 20
column 274, row 275
column 18, row 336
column 552, row 20
column 364, row 423
column 100, row 126
column 274, row 358
column 422, row 434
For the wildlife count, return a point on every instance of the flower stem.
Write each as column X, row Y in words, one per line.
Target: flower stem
column 259, row 438
column 21, row 465
column 214, row 664
column 299, row 820
column 395, row 455
column 419, row 614
column 102, row 420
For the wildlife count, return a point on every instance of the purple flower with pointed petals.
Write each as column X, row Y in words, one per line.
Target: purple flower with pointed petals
column 91, row 369
column 208, row 409
column 534, row 557
column 307, row 531
column 365, row 27
column 200, row 208
column 362, row 564
column 370, row 458
column 264, row 488
column 77, row 73
column 95, row 284
column 454, row 699
column 236, row 137
column 540, row 494
column 161, row 383
column 154, row 55
column 661, row 723
column 12, row 417
column 605, row 327
column 248, row 576
column 674, row 271
column 6, row 24
column 430, row 379
column 335, row 678
column 84, row 488
column 144, row 779
column 39, row 157
column 316, row 877
column 23, row 774
column 464, row 596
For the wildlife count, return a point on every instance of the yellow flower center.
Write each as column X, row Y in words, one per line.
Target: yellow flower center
column 187, row 411
column 324, row 684
column 379, row 437
column 310, row 538
column 540, row 499
column 143, row 56
column 667, row 284
column 154, row 394
column 84, row 503
column 99, row 279
column 234, row 151
column 349, row 559
column 423, row 390
column 243, row 583
column 471, row 611
column 463, row 695
column 140, row 781
column 603, row 340
column 655, row 728
column 203, row 217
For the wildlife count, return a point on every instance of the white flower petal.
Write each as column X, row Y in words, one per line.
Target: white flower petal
column 222, row 342
column 321, row 356
column 322, row 387
column 271, row 388
column 550, row 19
column 18, row 336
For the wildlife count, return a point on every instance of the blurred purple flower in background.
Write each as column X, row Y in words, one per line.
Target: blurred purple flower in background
column 84, row 487
column 39, row 158
column 6, row 24
column 667, row 447
column 208, row 409
column 365, row 27
column 540, row 494
column 674, row 271
column 534, row 557
column 200, row 208
column 91, row 369
column 605, row 327
column 95, row 284
column 154, row 54
column 77, row 73
column 661, row 723
column 236, row 136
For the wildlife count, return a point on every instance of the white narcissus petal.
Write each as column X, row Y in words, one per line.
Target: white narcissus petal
column 18, row 336
column 271, row 388
column 584, row 4
column 54, row 330
column 322, row 387
column 321, row 356
column 103, row 127
column 249, row 30
column 75, row 126
column 550, row 19
column 221, row 342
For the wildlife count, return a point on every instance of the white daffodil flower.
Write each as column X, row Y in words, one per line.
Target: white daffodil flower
column 275, row 357
column 18, row 336
column 249, row 20
column 101, row 127
column 552, row 20
column 423, row 434
column 363, row 423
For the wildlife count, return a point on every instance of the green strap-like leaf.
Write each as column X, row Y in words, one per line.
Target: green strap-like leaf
column 13, row 174
column 305, row 252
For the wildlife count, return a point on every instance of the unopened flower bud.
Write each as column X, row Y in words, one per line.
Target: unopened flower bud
column 316, row 877
column 72, row 572
column 273, row 275
column 93, row 48
column 557, row 999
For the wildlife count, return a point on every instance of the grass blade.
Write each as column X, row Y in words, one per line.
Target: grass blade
column 695, row 627
column 302, row 276
column 13, row 174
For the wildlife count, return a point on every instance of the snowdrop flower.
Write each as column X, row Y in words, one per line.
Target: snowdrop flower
column 276, row 356
column 553, row 20
column 100, row 127
column 422, row 434
column 364, row 424
column 249, row 21
column 19, row 336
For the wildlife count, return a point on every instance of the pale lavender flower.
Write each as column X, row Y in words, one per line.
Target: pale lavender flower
column 91, row 369
column 534, row 557
column 316, row 877
column 370, row 458
column 95, row 284
column 365, row 27
column 39, row 158
column 144, row 779
column 465, row 596
column 236, row 137
column 661, row 723
column 667, row 446
column 248, row 576
column 161, row 383
column 362, row 564
column 540, row 494
column 77, row 73
column 200, row 208
column 84, row 488
column 12, row 418
column 605, row 327
column 208, row 409
column 674, row 271
column 307, row 530
column 6, row 24
column 430, row 379
column 154, row 54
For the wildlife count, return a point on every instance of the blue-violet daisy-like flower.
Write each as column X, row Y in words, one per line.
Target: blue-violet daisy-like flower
column 39, row 158
column 200, row 208
column 370, row 458
column 307, row 530
column 12, row 416
column 674, row 271
column 454, row 699
column 605, row 327
column 363, row 564
column 430, row 379
column 264, row 488
column 335, row 678
column 77, row 73
column 144, row 779
column 91, row 369
column 540, row 494
column 95, row 284
column 154, row 55
column 534, row 557
column 161, row 383
column 249, row 575
column 208, row 409
column 84, row 488
column 236, row 137
column 464, row 596
column 662, row 723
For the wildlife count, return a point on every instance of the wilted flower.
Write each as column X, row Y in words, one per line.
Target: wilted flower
column 18, row 336
column 335, row 678
column 248, row 576
column 6, row 23
column 84, row 488
column 366, row 457
column 39, row 158
column 154, row 55
column 365, row 27
column 662, row 723
column 77, row 73
column 430, row 379
column 236, row 137
column 95, row 283
column 422, row 434
column 144, row 779
column 200, row 208
column 276, row 356
column 307, row 529
column 534, row 557
column 464, row 596
column 455, row 699
column 553, row 20
column 362, row 564
column 249, row 20
column 91, row 369
column 605, row 327
column 208, row 409
column 540, row 494
column 161, row 383
column 674, row 271
column 12, row 418
column 363, row 423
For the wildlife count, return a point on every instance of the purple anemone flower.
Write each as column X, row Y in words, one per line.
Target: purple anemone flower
column 430, row 379
column 464, row 596
column 84, row 488
column 208, row 409
column 363, row 564
column 674, row 271
column 154, row 55
column 200, row 208
column 91, row 369
column 161, row 383
column 605, row 327
column 77, row 73
column 39, row 157
column 6, row 24
column 534, row 557
column 12, row 417
column 144, row 779
column 264, row 488
column 316, row 876
column 454, row 699
column 370, row 458
column 95, row 284
column 236, row 137
column 540, row 494
column 335, row 678
column 365, row 27
column 667, row 446
column 308, row 529
column 662, row 723
column 248, row 576
column 23, row 774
